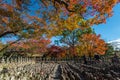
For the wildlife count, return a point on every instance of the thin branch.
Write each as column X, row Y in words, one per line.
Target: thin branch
column 66, row 5
column 10, row 44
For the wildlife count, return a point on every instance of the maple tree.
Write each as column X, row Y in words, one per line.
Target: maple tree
column 38, row 46
column 55, row 52
column 92, row 44
column 71, row 38
column 29, row 47
column 16, row 23
column 81, row 13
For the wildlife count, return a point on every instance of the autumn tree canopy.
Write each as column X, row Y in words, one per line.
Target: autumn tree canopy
column 92, row 44
column 30, row 47
column 31, row 19
column 19, row 15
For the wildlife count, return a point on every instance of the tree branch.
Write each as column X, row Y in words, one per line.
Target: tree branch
column 66, row 5
column 10, row 44
column 8, row 32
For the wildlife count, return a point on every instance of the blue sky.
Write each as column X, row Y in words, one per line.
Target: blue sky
column 110, row 30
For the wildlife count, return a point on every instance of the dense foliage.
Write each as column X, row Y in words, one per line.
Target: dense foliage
column 28, row 20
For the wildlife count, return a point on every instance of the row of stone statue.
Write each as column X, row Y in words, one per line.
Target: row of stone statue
column 37, row 71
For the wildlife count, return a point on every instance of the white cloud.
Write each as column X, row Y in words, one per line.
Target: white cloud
column 115, row 43
column 118, row 40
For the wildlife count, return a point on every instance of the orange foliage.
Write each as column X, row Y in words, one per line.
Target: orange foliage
column 91, row 43
column 56, row 51
column 34, row 46
column 91, row 11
